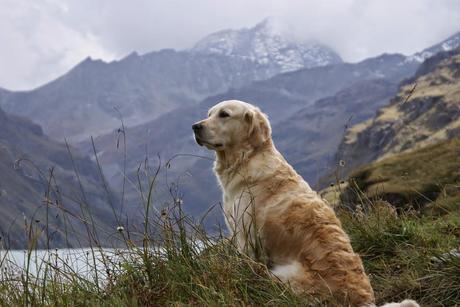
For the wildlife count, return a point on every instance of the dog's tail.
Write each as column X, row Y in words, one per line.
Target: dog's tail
column 405, row 303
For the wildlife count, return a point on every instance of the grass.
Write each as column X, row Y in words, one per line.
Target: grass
column 427, row 178
column 190, row 268
column 410, row 255
column 409, row 251
column 409, row 234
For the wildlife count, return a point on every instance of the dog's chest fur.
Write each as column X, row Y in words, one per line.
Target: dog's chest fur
column 246, row 190
column 240, row 196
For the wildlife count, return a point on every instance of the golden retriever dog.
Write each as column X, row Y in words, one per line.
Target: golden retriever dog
column 274, row 214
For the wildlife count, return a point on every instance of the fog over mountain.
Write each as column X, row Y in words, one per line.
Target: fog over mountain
column 43, row 39
column 268, row 44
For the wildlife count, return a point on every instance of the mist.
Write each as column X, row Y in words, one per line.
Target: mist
column 43, row 39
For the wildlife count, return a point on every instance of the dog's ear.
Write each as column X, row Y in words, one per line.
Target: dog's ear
column 259, row 127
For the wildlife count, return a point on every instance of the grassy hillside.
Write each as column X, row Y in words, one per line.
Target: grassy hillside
column 427, row 178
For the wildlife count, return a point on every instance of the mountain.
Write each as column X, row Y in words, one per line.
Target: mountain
column 291, row 100
column 426, row 110
column 283, row 95
column 448, row 44
column 268, row 44
column 3, row 93
column 92, row 97
column 30, row 196
column 310, row 137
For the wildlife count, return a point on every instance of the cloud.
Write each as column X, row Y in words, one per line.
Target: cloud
column 42, row 39
column 363, row 28
column 37, row 47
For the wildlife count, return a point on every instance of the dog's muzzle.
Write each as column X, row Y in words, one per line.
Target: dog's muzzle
column 197, row 128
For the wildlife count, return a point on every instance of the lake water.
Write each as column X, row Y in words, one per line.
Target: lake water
column 85, row 262
column 90, row 264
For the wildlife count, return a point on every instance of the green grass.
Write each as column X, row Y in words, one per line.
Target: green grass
column 411, row 251
column 406, row 248
column 192, row 268
column 407, row 256
column 427, row 178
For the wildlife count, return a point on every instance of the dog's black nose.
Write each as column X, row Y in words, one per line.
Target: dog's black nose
column 197, row 127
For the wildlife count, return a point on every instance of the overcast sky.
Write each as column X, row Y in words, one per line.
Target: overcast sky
column 42, row 39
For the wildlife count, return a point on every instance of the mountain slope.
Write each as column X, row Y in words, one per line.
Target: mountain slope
column 27, row 194
column 92, row 97
column 429, row 177
column 426, row 110
column 310, row 137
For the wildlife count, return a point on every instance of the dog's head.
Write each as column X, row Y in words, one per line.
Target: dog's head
column 232, row 124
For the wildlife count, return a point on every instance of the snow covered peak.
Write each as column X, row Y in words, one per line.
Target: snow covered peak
column 450, row 43
column 268, row 43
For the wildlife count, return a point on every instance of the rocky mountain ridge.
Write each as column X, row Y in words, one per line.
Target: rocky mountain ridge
column 425, row 111
column 93, row 97
column 448, row 44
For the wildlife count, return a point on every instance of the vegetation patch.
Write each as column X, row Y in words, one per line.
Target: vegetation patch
column 427, row 178
column 410, row 255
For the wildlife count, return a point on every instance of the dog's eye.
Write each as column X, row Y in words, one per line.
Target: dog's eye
column 223, row 114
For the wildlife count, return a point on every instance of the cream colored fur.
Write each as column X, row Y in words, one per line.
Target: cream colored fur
column 274, row 214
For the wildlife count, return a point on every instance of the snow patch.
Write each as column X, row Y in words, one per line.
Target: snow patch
column 268, row 44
